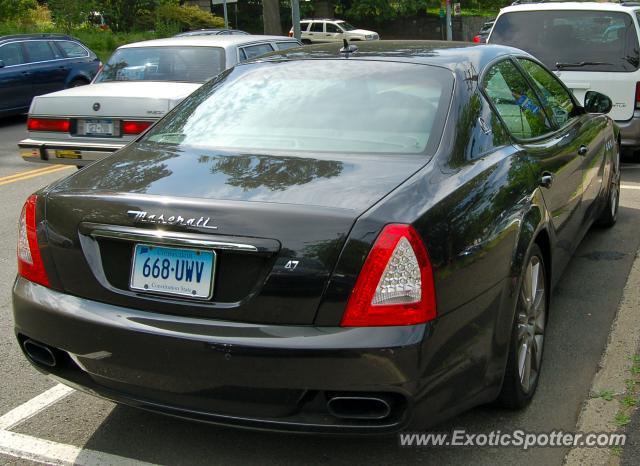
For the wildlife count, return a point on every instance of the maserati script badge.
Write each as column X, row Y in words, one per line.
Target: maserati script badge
column 162, row 219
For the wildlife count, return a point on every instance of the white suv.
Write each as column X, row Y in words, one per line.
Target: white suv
column 331, row 30
column 590, row 46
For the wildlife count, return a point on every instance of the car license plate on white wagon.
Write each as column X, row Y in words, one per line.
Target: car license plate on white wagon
column 97, row 128
column 173, row 271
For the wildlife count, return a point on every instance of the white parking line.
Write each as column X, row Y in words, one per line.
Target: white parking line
column 629, row 186
column 45, row 451
column 34, row 406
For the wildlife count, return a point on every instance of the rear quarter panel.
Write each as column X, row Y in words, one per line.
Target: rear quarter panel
column 474, row 204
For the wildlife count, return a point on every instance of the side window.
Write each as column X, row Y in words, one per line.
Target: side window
column 11, row 54
column 317, row 26
column 253, row 51
column 286, row 45
column 39, row 50
column 57, row 52
column 515, row 101
column 334, row 29
column 304, row 26
column 72, row 49
column 554, row 96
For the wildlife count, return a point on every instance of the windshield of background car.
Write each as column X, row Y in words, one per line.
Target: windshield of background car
column 347, row 106
column 572, row 37
column 180, row 64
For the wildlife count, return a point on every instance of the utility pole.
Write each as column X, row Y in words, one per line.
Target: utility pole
column 226, row 18
column 449, row 31
column 295, row 18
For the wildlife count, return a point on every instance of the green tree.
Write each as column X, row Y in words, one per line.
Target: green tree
column 68, row 14
column 16, row 9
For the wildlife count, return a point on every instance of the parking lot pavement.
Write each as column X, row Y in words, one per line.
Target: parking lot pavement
column 65, row 426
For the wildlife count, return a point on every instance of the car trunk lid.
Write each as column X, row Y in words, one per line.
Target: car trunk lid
column 115, row 99
column 293, row 212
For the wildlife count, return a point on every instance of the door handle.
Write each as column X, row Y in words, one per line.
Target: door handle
column 583, row 150
column 546, row 180
column 26, row 73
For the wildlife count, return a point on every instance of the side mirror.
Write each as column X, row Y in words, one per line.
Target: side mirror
column 1, row 64
column 594, row 102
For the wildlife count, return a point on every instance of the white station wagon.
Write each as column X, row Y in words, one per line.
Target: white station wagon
column 137, row 86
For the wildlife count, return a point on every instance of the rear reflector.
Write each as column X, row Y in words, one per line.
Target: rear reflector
column 395, row 285
column 30, row 264
column 135, row 127
column 637, row 95
column 48, row 124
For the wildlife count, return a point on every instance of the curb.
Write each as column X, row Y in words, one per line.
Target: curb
column 597, row 414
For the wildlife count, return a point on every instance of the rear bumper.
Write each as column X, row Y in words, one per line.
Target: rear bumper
column 272, row 377
column 630, row 130
column 75, row 153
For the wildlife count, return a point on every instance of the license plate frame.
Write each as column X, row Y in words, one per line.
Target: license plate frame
column 162, row 287
column 94, row 123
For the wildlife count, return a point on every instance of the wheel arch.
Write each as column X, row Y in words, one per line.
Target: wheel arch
column 79, row 76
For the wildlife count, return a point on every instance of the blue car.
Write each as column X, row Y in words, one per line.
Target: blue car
column 32, row 65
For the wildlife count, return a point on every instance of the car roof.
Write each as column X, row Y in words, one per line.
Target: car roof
column 451, row 55
column 324, row 19
column 35, row 36
column 207, row 41
column 558, row 6
column 210, row 30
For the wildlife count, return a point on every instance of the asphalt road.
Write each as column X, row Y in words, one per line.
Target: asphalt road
column 583, row 307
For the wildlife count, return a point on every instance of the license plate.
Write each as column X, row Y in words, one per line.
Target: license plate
column 98, row 128
column 68, row 154
column 173, row 271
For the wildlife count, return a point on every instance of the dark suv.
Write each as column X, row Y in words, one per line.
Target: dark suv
column 32, row 65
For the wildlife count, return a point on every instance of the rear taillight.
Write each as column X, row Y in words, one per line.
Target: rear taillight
column 49, row 124
column 637, row 95
column 30, row 264
column 290, row 33
column 395, row 285
column 476, row 39
column 135, row 127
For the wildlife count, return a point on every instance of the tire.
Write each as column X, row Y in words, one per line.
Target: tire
column 609, row 214
column 78, row 82
column 526, row 345
column 306, row 42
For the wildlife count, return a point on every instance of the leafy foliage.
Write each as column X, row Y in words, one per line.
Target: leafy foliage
column 69, row 13
column 188, row 17
column 16, row 9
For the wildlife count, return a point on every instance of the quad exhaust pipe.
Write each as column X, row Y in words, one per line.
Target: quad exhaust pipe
column 39, row 353
column 360, row 406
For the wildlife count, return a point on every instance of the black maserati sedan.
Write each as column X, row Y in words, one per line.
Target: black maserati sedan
column 327, row 239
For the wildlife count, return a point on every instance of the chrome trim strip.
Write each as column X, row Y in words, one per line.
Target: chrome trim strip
column 70, row 144
column 168, row 238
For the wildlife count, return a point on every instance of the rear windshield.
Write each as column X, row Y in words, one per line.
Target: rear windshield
column 608, row 40
column 321, row 106
column 182, row 64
